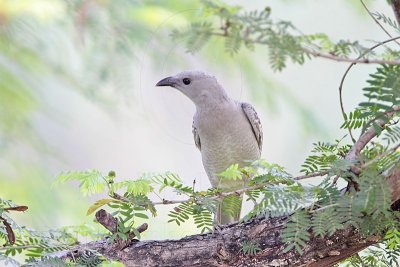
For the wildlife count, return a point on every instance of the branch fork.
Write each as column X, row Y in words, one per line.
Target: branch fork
column 111, row 224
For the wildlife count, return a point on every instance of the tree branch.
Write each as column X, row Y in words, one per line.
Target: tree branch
column 360, row 144
column 376, row 21
column 358, row 60
column 219, row 195
column 352, row 60
column 367, row 136
column 224, row 248
column 315, row 174
column 396, row 10
column 107, row 220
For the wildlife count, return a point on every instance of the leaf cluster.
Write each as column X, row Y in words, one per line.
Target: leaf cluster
column 284, row 41
column 37, row 247
column 250, row 247
column 326, row 156
column 383, row 94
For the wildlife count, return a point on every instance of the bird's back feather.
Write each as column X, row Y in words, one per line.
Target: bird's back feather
column 255, row 122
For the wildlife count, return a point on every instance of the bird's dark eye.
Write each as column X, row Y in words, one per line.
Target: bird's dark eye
column 186, row 81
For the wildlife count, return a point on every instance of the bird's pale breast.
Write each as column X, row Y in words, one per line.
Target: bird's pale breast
column 226, row 138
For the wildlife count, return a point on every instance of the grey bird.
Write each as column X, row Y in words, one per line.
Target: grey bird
column 225, row 131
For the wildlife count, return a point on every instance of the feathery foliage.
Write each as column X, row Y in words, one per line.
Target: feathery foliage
column 37, row 246
column 387, row 20
column 283, row 40
column 319, row 210
column 325, row 156
column 250, row 247
column 296, row 232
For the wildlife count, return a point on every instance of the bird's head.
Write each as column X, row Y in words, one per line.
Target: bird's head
column 198, row 86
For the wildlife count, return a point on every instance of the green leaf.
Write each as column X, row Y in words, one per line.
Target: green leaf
column 392, row 238
column 136, row 232
column 138, row 187
column 98, row 204
column 141, row 215
column 295, row 233
column 232, row 173
column 91, row 181
column 250, row 247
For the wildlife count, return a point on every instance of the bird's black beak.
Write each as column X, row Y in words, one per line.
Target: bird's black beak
column 169, row 81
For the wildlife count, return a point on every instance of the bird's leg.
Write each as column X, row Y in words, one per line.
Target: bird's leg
column 217, row 215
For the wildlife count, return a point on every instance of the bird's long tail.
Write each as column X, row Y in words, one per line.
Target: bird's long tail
column 228, row 210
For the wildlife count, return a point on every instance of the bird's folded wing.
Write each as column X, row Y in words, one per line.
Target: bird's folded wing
column 196, row 135
column 255, row 122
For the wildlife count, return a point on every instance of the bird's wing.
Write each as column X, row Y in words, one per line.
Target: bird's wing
column 196, row 135
column 255, row 122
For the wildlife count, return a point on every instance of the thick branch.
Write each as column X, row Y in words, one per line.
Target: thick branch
column 396, row 10
column 111, row 224
column 223, row 248
column 368, row 135
column 107, row 220
column 364, row 139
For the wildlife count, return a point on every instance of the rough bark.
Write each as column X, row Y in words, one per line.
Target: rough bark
column 396, row 9
column 223, row 248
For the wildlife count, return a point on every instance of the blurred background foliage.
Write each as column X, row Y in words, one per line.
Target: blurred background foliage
column 77, row 92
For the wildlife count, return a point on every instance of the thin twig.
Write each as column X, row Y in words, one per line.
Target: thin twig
column 355, row 60
column 376, row 21
column 163, row 202
column 220, row 195
column 347, row 71
column 335, row 179
column 331, row 56
column 315, row 174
